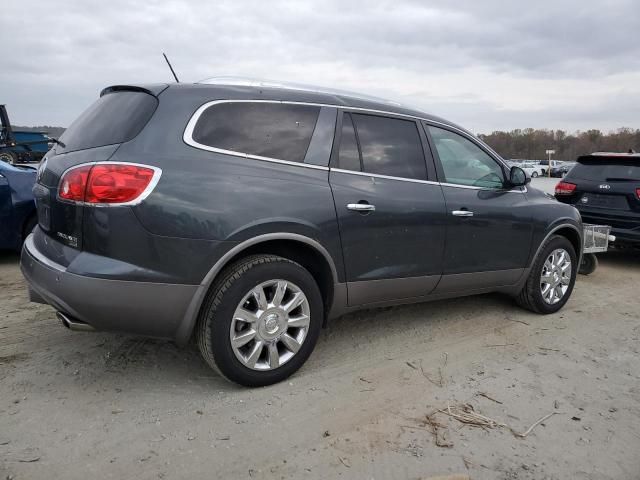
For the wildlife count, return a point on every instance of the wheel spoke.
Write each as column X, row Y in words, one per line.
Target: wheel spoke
column 295, row 302
column 274, row 356
column 299, row 321
column 290, row 342
column 546, row 278
column 281, row 288
column 243, row 338
column 255, row 354
column 245, row 316
column 261, row 299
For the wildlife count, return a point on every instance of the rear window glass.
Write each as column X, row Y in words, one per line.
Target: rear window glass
column 113, row 118
column 607, row 170
column 273, row 130
column 390, row 146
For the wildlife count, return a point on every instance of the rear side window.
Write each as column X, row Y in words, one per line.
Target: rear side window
column 389, row 146
column 114, row 118
column 607, row 170
column 273, row 130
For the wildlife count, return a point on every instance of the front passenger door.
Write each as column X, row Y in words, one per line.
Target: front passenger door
column 489, row 229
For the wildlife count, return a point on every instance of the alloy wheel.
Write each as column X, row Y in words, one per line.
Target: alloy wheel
column 556, row 276
column 269, row 325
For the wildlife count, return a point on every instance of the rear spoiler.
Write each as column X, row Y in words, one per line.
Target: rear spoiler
column 152, row 89
column 613, row 156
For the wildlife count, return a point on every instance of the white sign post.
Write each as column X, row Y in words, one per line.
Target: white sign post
column 549, row 153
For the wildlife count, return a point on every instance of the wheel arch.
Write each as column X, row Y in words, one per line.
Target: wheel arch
column 568, row 230
column 301, row 249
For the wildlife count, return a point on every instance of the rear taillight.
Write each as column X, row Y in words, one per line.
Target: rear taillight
column 565, row 188
column 107, row 183
column 638, row 193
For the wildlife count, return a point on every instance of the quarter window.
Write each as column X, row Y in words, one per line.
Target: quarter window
column 464, row 163
column 273, row 130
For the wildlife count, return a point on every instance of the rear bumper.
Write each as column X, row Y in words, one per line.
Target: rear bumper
column 142, row 308
column 625, row 228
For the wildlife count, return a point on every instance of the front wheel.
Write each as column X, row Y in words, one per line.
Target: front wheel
column 261, row 320
column 534, row 175
column 551, row 278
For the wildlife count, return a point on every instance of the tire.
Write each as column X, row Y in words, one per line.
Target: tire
column 534, row 175
column 531, row 295
column 589, row 264
column 231, row 299
column 8, row 157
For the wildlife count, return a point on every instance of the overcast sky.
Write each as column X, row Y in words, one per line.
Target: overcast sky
column 486, row 64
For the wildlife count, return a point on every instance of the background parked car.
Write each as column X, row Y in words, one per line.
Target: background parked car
column 605, row 188
column 17, row 207
column 20, row 146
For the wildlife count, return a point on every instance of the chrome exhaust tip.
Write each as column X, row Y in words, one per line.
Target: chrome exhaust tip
column 73, row 324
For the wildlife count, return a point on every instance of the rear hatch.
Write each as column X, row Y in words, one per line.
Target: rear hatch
column 606, row 187
column 118, row 116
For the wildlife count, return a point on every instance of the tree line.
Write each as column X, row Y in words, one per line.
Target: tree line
column 530, row 144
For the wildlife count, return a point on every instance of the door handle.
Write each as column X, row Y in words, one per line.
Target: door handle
column 462, row 213
column 361, row 207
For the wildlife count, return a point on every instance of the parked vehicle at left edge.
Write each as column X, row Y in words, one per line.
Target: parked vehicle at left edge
column 17, row 206
column 20, row 146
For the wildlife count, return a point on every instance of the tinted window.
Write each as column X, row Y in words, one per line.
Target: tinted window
column 274, row 130
column 113, row 118
column 390, row 146
column 464, row 163
column 606, row 170
column 348, row 156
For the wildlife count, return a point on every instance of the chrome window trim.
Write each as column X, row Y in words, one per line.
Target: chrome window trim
column 188, row 139
column 428, row 182
column 157, row 173
column 389, row 177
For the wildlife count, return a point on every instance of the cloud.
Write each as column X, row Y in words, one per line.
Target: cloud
column 491, row 64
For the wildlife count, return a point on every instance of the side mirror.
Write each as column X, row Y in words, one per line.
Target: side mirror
column 518, row 177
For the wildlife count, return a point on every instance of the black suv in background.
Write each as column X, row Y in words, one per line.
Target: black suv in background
column 248, row 215
column 605, row 188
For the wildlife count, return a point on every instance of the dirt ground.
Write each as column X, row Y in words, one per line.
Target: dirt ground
column 98, row 405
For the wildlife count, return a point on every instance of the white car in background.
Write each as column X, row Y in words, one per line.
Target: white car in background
column 534, row 169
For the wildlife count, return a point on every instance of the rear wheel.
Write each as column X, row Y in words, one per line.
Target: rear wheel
column 261, row 321
column 8, row 157
column 551, row 278
column 534, row 175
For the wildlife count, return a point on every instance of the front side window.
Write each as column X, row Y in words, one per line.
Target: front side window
column 390, row 146
column 273, row 130
column 464, row 163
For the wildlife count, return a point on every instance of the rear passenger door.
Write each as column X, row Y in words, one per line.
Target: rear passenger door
column 390, row 209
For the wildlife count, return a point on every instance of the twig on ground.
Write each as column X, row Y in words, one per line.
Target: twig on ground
column 501, row 345
column 482, row 394
column 345, row 462
column 528, row 431
column 424, row 374
column 549, row 349
column 439, row 431
column 411, row 365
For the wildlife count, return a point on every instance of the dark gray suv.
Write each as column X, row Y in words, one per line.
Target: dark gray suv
column 248, row 215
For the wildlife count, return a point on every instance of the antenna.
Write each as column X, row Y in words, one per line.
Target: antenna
column 169, row 63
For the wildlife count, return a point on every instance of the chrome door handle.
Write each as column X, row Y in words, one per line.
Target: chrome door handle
column 361, row 207
column 462, row 213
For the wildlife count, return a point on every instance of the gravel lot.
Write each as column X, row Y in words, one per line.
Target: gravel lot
column 79, row 405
